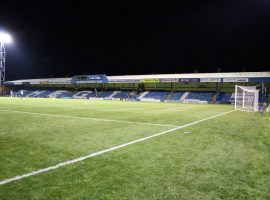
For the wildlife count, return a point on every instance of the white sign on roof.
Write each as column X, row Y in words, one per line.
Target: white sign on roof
column 235, row 79
column 211, row 80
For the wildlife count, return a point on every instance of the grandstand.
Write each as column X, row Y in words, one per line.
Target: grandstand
column 189, row 88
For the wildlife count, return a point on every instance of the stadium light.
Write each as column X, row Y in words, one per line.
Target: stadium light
column 4, row 38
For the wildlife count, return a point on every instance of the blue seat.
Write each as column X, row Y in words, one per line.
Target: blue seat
column 45, row 94
column 105, row 94
column 175, row 96
column 156, row 95
column 82, row 95
column 121, row 95
column 225, row 98
column 25, row 92
column 65, row 95
column 202, row 96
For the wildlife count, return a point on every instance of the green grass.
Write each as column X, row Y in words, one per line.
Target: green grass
column 227, row 157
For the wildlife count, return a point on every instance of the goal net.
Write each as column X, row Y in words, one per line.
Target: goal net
column 246, row 98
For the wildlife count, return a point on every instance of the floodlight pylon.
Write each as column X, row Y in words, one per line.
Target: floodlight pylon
column 2, row 63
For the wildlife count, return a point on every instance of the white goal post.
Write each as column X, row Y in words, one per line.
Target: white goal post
column 246, row 98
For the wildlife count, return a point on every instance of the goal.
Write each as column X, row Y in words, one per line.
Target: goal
column 246, row 98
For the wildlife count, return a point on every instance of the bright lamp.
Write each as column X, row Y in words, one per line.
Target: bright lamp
column 5, row 38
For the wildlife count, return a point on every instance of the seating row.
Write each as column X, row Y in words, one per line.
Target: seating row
column 155, row 96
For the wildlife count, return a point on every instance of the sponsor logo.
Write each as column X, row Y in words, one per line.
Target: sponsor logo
column 189, row 80
column 149, row 81
column 235, row 79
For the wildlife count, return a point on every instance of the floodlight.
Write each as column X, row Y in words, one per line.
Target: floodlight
column 5, row 38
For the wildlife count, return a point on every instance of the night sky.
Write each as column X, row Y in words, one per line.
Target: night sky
column 66, row 38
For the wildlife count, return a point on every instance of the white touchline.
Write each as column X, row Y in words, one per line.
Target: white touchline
column 105, row 150
column 89, row 118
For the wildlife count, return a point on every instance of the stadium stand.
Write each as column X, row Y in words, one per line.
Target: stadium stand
column 174, row 97
column 93, row 94
column 45, row 94
column 60, row 94
column 34, row 93
column 133, row 96
column 25, row 93
column 151, row 96
column 105, row 94
column 82, row 95
column 195, row 88
column 65, row 95
column 121, row 95
column 154, row 96
column 199, row 97
column 225, row 98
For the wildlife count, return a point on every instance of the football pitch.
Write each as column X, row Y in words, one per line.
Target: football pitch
column 86, row 149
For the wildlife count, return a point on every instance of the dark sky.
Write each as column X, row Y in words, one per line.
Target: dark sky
column 65, row 38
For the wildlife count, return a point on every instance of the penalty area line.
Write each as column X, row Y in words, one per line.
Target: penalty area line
column 106, row 150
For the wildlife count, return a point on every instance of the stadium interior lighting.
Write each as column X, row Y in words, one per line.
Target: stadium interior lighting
column 5, row 38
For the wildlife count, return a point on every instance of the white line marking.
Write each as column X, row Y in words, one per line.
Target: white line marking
column 89, row 118
column 104, row 151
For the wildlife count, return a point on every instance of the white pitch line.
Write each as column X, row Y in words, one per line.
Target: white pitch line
column 105, row 151
column 89, row 118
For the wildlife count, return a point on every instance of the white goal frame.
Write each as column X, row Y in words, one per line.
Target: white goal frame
column 246, row 98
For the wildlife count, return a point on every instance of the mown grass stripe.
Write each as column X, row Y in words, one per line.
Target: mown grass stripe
column 89, row 118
